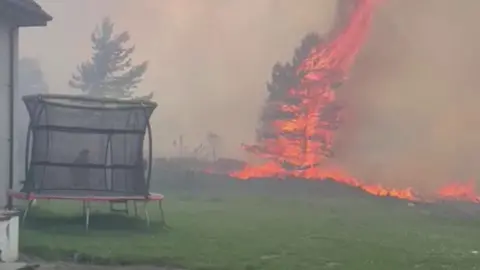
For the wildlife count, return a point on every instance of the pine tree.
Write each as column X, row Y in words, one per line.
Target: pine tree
column 109, row 72
column 284, row 78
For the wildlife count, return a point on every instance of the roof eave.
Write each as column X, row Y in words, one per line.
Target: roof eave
column 32, row 19
column 22, row 17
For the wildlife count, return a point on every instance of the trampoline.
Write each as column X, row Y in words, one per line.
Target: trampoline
column 90, row 150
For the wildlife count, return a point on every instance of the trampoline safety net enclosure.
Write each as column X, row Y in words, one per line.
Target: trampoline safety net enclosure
column 79, row 145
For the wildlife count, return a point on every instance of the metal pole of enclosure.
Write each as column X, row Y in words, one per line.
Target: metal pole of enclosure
column 150, row 154
column 11, row 108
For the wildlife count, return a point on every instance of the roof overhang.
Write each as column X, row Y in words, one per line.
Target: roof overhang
column 23, row 13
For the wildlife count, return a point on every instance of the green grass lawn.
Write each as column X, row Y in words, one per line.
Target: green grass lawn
column 242, row 233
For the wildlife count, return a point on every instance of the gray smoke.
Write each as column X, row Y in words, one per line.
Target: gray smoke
column 209, row 59
column 414, row 94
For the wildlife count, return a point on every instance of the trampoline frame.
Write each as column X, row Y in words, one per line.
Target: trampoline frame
column 31, row 193
column 87, row 200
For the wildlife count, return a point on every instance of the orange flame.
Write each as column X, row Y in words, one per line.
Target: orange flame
column 462, row 192
column 321, row 73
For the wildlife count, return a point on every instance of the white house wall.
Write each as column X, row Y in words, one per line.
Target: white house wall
column 18, row 155
column 4, row 106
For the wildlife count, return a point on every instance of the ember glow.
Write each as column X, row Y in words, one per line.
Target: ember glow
column 301, row 141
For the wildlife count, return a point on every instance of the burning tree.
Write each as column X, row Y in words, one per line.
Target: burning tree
column 301, row 115
column 284, row 78
column 109, row 72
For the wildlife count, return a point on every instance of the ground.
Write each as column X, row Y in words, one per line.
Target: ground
column 248, row 231
column 68, row 266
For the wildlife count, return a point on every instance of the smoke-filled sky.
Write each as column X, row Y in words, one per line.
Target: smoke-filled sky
column 413, row 90
column 209, row 59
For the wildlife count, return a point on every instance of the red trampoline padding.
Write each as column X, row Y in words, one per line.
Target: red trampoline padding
column 83, row 196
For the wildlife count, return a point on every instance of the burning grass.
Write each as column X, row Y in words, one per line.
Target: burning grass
column 301, row 119
column 303, row 114
column 266, row 225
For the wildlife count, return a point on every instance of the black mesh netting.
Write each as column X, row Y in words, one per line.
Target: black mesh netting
column 84, row 144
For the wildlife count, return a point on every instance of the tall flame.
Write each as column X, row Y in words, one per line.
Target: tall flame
column 302, row 140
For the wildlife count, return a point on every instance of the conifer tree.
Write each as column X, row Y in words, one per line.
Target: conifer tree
column 284, row 78
column 109, row 72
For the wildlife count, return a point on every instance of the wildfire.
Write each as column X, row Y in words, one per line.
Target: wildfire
column 301, row 140
column 457, row 191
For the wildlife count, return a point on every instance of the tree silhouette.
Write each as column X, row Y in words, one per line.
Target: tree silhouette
column 214, row 140
column 284, row 78
column 109, row 72
column 30, row 77
column 30, row 81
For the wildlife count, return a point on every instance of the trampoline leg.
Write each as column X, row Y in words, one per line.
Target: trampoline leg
column 87, row 215
column 25, row 213
column 84, row 212
column 125, row 203
column 147, row 216
column 162, row 214
column 135, row 208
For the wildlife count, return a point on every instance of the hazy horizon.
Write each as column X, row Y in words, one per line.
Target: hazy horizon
column 412, row 90
column 208, row 61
